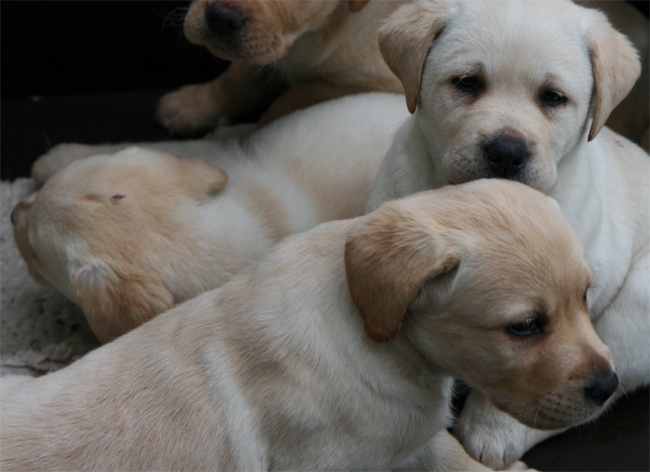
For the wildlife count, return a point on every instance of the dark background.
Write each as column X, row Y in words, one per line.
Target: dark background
column 92, row 71
column 59, row 48
column 89, row 71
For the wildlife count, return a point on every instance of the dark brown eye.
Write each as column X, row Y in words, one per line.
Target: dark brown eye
column 528, row 327
column 467, row 83
column 552, row 98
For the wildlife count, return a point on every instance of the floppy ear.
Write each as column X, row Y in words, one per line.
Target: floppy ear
column 202, row 178
column 115, row 302
column 404, row 41
column 616, row 67
column 388, row 257
column 356, row 5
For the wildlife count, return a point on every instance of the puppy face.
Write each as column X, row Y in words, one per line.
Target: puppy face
column 256, row 31
column 508, row 88
column 108, row 230
column 489, row 282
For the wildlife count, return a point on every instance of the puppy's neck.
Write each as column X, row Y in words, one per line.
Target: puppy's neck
column 426, row 149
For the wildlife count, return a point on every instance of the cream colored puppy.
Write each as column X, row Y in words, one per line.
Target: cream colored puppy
column 338, row 350
column 287, row 55
column 521, row 89
column 128, row 235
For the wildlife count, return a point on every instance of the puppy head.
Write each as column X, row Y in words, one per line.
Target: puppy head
column 507, row 88
column 258, row 31
column 109, row 231
column 488, row 281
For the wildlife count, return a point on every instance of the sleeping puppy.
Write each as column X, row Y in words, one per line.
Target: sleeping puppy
column 521, row 90
column 338, row 350
column 287, row 54
column 128, row 235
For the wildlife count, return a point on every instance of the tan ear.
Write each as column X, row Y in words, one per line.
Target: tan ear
column 388, row 258
column 115, row 302
column 616, row 67
column 356, row 5
column 202, row 178
column 404, row 41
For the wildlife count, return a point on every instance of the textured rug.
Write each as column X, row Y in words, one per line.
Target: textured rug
column 40, row 330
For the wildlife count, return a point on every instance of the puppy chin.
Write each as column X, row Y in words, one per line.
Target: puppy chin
column 266, row 50
column 261, row 54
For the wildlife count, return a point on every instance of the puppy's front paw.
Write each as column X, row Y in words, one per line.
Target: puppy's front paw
column 188, row 111
column 492, row 437
column 57, row 158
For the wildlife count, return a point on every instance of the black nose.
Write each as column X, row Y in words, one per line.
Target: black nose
column 224, row 21
column 506, row 156
column 602, row 388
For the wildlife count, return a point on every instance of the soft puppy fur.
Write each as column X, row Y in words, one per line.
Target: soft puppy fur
column 339, row 349
column 521, row 90
column 127, row 235
column 287, row 54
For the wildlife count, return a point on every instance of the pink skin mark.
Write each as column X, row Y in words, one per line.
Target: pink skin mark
column 117, row 197
column 619, row 143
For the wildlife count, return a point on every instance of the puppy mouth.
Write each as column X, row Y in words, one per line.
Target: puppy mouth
column 257, row 50
column 459, row 167
column 553, row 410
column 556, row 414
column 263, row 49
column 230, row 33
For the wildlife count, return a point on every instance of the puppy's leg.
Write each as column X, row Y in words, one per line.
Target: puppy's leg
column 63, row 154
column 497, row 439
column 444, row 452
column 240, row 90
column 304, row 95
column 492, row 436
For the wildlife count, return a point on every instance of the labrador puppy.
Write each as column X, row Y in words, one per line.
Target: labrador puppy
column 287, row 55
column 128, row 234
column 521, row 90
column 339, row 349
